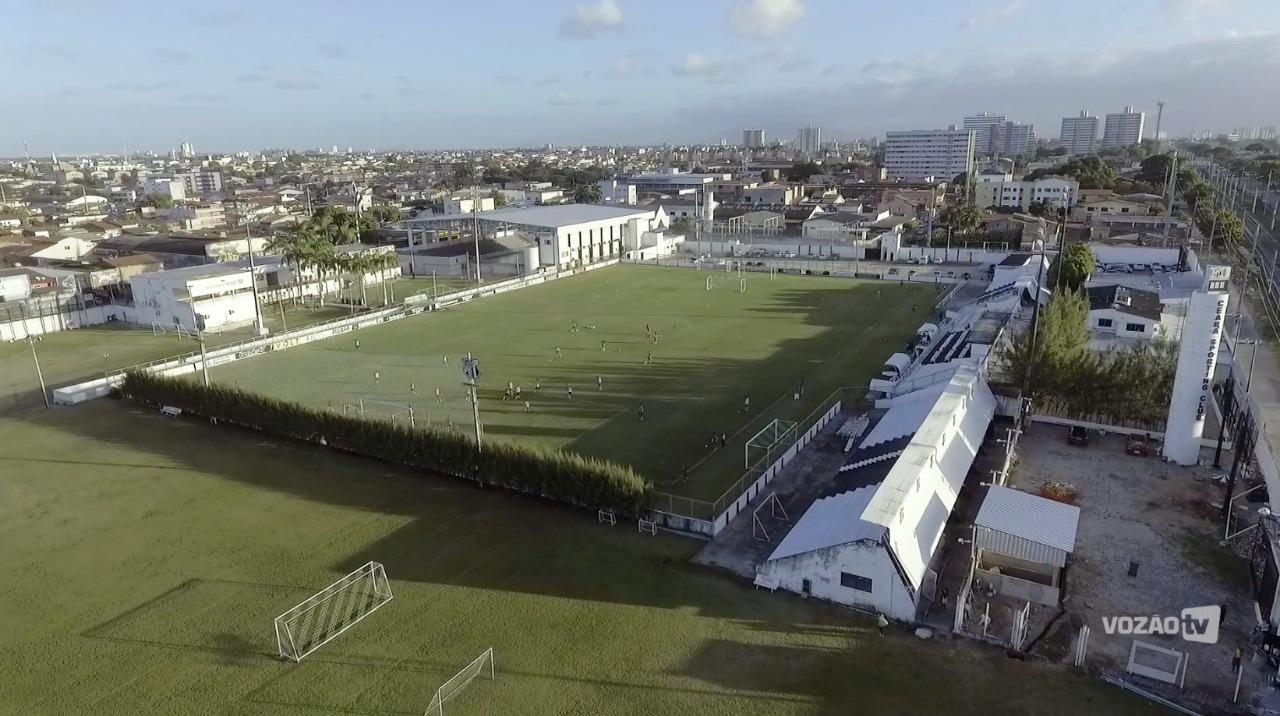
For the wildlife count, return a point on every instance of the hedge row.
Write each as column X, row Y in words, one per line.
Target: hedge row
column 566, row 477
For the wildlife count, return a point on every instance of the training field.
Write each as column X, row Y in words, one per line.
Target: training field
column 714, row 347
column 145, row 558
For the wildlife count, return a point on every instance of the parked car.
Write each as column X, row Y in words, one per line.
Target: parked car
column 1078, row 435
column 893, row 272
column 1140, row 445
column 789, row 254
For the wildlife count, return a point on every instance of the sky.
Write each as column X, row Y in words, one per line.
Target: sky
column 87, row 76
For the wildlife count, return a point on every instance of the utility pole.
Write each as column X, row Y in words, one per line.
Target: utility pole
column 1173, row 192
column 475, row 227
column 204, row 358
column 471, row 369
column 1159, row 116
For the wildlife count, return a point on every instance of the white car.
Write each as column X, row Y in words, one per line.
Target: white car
column 789, row 255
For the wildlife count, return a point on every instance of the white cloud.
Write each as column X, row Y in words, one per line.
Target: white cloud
column 764, row 18
column 1191, row 10
column 590, row 20
column 786, row 58
column 993, row 15
column 562, row 99
column 629, row 65
column 709, row 68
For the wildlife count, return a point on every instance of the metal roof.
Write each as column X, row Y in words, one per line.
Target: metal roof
column 829, row 522
column 1030, row 517
column 561, row 215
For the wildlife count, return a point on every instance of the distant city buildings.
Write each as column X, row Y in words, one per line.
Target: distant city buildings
column 918, row 154
column 1000, row 191
column 809, row 140
column 201, row 182
column 1080, row 134
column 1123, row 129
column 187, row 150
column 753, row 138
column 983, row 125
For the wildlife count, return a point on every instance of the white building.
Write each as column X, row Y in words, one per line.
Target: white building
column 465, row 205
column 809, row 140
column 876, row 545
column 1080, row 134
column 220, row 294
column 1015, row 139
column 918, row 154
column 195, row 218
column 1123, row 129
column 175, row 188
column 984, row 127
column 613, row 191
column 1124, row 312
column 753, row 138
column 200, row 183
column 567, row 235
column 1002, row 192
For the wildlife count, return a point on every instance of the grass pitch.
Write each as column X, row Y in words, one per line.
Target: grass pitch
column 714, row 349
column 146, row 557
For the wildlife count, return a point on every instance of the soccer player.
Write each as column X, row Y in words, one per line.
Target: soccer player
column 557, row 351
column 569, row 391
column 746, row 403
column 438, row 398
column 649, row 359
column 641, row 411
column 604, row 348
column 526, row 406
column 599, row 382
column 413, row 388
column 377, row 377
column 573, row 327
column 446, row 359
column 357, row 344
column 537, row 385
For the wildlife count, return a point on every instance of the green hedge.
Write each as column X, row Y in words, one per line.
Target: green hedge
column 566, row 477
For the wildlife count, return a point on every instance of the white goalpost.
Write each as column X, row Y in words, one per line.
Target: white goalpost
column 324, row 615
column 159, row 329
column 385, row 409
column 460, row 680
column 773, row 435
column 740, row 284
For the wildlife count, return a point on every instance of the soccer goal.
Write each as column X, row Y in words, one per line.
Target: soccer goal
column 329, row 612
column 764, row 443
column 739, row 284
column 389, row 410
column 460, row 680
column 160, row 329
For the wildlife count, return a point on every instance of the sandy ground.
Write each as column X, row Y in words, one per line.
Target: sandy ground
column 1162, row 518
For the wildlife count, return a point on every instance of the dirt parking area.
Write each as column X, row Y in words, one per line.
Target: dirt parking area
column 1148, row 544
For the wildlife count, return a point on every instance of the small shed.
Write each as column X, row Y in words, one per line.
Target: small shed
column 1021, row 543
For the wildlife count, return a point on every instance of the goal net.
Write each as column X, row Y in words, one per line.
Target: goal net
column 160, row 329
column 763, row 445
column 482, row 666
column 327, row 613
column 729, row 283
column 389, row 410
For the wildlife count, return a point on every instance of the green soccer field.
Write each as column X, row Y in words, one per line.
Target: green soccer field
column 714, row 349
column 145, row 558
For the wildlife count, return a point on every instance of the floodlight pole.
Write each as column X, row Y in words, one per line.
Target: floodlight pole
column 39, row 373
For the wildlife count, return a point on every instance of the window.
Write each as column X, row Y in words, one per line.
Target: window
column 1135, row 328
column 853, row 581
column 1104, row 323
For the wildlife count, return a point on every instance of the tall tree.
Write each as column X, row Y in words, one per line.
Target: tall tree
column 961, row 218
column 1071, row 267
column 588, row 194
column 1061, row 345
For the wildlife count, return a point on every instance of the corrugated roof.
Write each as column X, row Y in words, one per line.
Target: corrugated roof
column 1030, row 517
column 561, row 215
column 829, row 522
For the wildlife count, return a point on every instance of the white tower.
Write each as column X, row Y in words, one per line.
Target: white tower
column 1197, row 359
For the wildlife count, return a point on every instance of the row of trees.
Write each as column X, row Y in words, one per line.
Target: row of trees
column 1222, row 226
column 1092, row 172
column 556, row 475
column 312, row 247
column 1061, row 374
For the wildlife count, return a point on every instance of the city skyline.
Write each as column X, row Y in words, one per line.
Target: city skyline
column 247, row 77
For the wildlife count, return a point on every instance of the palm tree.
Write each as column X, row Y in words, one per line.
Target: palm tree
column 588, row 194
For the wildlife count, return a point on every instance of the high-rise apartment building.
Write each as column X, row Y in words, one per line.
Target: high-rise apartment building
column 1123, row 129
column 809, row 140
column 1080, row 134
column 187, row 150
column 985, row 130
column 1013, row 139
column 753, row 138
column 917, row 154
